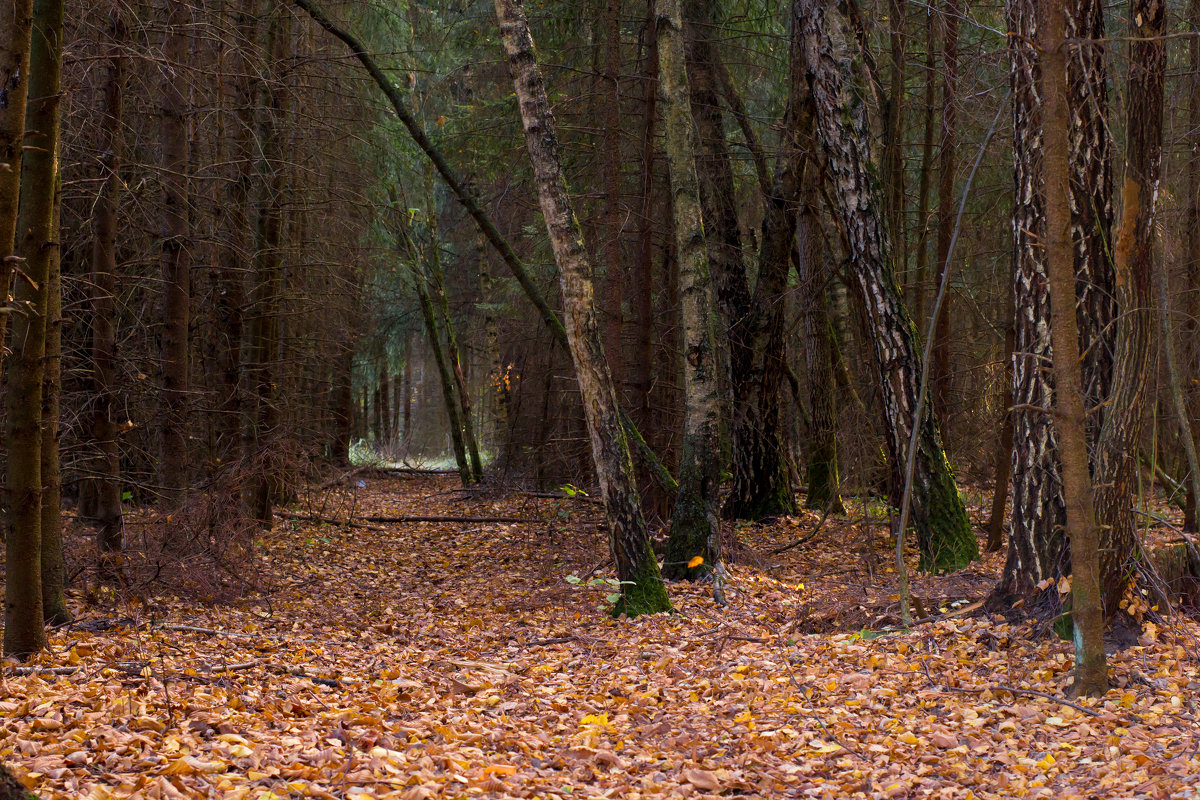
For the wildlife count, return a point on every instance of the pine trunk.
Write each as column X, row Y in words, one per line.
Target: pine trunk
column 814, row 274
column 944, row 533
column 54, row 569
column 264, row 334
column 24, row 626
column 15, row 29
column 1091, row 670
column 939, row 370
column 695, row 527
column 1190, row 324
column 1116, row 466
column 105, row 427
column 175, row 257
column 642, row 590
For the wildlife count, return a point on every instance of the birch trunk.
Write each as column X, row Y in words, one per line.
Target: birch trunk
column 695, row 527
column 944, row 532
column 642, row 590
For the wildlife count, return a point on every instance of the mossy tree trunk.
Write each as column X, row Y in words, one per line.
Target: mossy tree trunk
column 642, row 589
column 840, row 100
column 695, row 527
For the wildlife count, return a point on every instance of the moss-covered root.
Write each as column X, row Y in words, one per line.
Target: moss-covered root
column 689, row 538
column 947, row 542
column 692, row 529
column 13, row 789
column 646, row 595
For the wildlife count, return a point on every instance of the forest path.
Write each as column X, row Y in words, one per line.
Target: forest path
column 453, row 660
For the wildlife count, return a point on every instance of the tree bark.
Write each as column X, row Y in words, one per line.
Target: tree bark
column 614, row 271
column 462, row 393
column 695, row 526
column 762, row 481
column 1191, row 297
column 24, row 627
column 54, row 569
column 105, row 428
column 264, row 334
column 175, row 257
column 944, row 533
column 1116, row 453
column 813, row 275
column 939, row 384
column 1091, row 669
column 15, row 28
column 1091, row 206
column 642, row 590
column 924, row 213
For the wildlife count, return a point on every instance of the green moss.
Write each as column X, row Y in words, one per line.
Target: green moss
column 944, row 533
column 688, row 539
column 823, row 482
column 646, row 595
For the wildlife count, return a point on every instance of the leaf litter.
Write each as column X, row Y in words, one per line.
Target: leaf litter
column 437, row 660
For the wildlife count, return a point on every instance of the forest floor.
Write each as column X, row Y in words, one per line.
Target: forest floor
column 422, row 660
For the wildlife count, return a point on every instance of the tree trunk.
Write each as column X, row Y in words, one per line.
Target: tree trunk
column 498, row 389
column 1004, row 445
column 436, row 285
column 924, row 213
column 939, row 373
column 1091, row 669
column 1191, row 304
column 695, row 527
column 642, row 590
column 110, row 535
column 893, row 127
column 176, row 257
column 1091, row 207
column 813, row 275
column 1116, row 467
column 614, row 271
column 1037, row 548
column 24, row 627
column 54, row 569
column 944, row 532
column 762, row 481
column 15, row 27
column 234, row 401
column 264, row 335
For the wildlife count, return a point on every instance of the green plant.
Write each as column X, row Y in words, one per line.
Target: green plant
column 613, row 585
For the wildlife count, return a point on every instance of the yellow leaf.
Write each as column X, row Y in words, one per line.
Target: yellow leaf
column 908, row 738
column 500, row 769
column 695, row 562
column 1064, row 585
